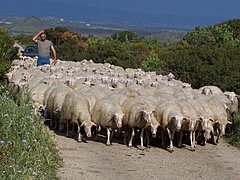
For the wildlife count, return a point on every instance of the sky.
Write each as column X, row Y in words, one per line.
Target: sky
column 180, row 11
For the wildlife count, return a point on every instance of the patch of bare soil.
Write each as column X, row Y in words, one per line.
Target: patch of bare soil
column 94, row 160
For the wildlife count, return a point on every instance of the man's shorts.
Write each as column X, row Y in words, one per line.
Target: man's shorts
column 43, row 60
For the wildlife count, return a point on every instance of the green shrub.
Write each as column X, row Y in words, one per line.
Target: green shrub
column 7, row 52
column 27, row 150
column 233, row 136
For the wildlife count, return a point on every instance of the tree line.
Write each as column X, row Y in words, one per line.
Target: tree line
column 205, row 56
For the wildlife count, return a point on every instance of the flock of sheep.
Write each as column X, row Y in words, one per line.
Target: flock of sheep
column 111, row 98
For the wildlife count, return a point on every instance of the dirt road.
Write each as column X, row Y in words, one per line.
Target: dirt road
column 96, row 161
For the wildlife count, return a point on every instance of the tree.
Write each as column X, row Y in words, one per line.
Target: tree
column 124, row 36
column 69, row 45
column 7, row 52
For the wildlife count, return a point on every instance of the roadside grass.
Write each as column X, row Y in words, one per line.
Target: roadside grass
column 27, row 148
column 233, row 136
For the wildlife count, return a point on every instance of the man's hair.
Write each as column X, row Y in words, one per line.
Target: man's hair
column 43, row 33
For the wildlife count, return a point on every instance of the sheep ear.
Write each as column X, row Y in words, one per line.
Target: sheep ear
column 155, row 114
column 200, row 119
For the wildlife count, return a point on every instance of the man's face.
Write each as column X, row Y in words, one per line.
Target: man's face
column 43, row 37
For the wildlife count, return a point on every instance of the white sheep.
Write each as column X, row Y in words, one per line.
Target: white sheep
column 55, row 101
column 138, row 114
column 107, row 113
column 75, row 109
column 192, row 123
column 170, row 116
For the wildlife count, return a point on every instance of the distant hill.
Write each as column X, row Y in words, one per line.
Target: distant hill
column 32, row 24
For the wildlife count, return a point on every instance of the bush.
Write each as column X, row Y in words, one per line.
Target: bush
column 233, row 136
column 7, row 52
column 69, row 45
column 27, row 150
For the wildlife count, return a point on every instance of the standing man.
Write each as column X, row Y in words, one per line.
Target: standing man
column 44, row 48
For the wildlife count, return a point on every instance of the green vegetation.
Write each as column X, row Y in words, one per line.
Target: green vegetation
column 27, row 150
column 233, row 136
column 7, row 52
column 23, row 39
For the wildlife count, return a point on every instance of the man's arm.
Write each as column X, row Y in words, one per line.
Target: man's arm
column 54, row 55
column 35, row 38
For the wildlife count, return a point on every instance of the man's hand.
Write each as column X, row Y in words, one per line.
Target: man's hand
column 35, row 38
column 54, row 62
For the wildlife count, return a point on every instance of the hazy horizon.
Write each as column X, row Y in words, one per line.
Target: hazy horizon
column 172, row 13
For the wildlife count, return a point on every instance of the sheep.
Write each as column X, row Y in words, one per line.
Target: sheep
column 138, row 114
column 210, row 90
column 163, row 89
column 233, row 110
column 151, row 127
column 36, row 94
column 218, row 114
column 55, row 101
column 107, row 113
column 191, row 124
column 75, row 109
column 220, row 119
column 46, row 95
column 171, row 117
column 205, row 117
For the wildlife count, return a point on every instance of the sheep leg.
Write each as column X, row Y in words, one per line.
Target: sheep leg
column 60, row 128
column 191, row 140
column 108, row 137
column 55, row 122
column 180, row 140
column 162, row 139
column 171, row 136
column 96, row 135
column 73, row 131
column 51, row 122
column 130, row 141
column 141, row 138
column 80, row 139
column 125, row 136
column 194, row 140
column 147, row 137
column 67, row 134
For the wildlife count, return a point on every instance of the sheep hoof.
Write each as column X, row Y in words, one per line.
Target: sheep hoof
column 108, row 144
column 171, row 150
column 141, row 147
column 192, row 149
column 180, row 146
